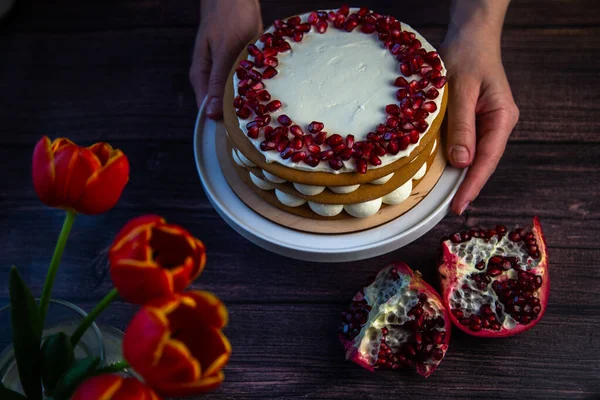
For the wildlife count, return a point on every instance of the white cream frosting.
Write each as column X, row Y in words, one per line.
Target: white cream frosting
column 326, row 210
column 421, row 172
column 273, row 178
column 236, row 158
column 341, row 79
column 434, row 146
column 383, row 180
column 343, row 189
column 398, row 195
column 289, row 199
column 365, row 209
column 309, row 190
column 262, row 184
column 245, row 159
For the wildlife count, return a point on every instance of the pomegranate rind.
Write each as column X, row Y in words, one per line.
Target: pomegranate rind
column 449, row 262
column 414, row 284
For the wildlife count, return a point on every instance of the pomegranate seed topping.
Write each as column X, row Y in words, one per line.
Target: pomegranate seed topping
column 395, row 34
column 322, row 14
column 439, row 82
column 250, row 124
column 313, row 18
column 429, row 106
column 298, row 36
column 284, row 120
column 396, row 49
column 298, row 156
column 285, row 46
column 287, row 153
column 268, row 131
column 293, row 21
column 260, row 109
column 255, row 75
column 405, row 37
column 253, row 50
column 271, row 62
column 265, row 119
column 243, row 113
column 244, row 83
column 432, row 55
column 403, row 142
column 282, row 144
column 263, row 95
column 350, row 141
column 361, row 166
column 336, row 163
column 241, row 73
column 420, row 114
column 308, row 140
column 382, row 25
column 314, row 149
column 379, row 150
column 425, row 70
column 238, row 102
column 344, row 10
column 334, row 140
column 383, row 36
column 350, row 25
column 367, row 149
column 389, row 136
column 320, row 137
column 253, row 103
column 436, row 64
column 297, row 143
column 414, row 137
column 304, row 28
column 251, row 94
column 339, row 148
column 374, row 160
column 413, row 86
column 434, row 74
column 322, row 26
column 339, row 22
column 405, row 69
column 312, row 161
column 368, row 28
column 392, row 109
column 392, row 122
column 381, row 129
column 401, row 93
column 315, row 127
column 296, row 130
column 432, row 93
column 421, row 125
column 409, row 114
column 423, row 83
column 258, row 86
column 264, row 38
column 326, row 155
column 331, row 16
column 274, row 105
column 253, row 132
column 393, row 147
column 279, row 24
column 417, row 103
column 346, row 154
column 269, row 72
column 246, row 64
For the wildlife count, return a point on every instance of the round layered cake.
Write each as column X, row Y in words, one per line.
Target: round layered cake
column 336, row 113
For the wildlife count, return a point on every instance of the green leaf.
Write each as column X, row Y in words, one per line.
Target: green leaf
column 27, row 335
column 57, row 358
column 7, row 394
column 75, row 376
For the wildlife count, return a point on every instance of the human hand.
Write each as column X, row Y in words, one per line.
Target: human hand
column 226, row 26
column 481, row 109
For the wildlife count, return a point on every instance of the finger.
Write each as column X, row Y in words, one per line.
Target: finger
column 495, row 128
column 219, row 74
column 200, row 68
column 463, row 95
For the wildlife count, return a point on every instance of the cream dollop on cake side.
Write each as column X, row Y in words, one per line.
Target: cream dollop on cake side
column 289, row 199
column 342, row 79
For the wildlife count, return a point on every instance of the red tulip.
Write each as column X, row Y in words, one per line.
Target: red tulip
column 175, row 343
column 150, row 258
column 113, row 387
column 88, row 180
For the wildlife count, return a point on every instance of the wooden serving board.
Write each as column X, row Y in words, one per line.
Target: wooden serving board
column 262, row 201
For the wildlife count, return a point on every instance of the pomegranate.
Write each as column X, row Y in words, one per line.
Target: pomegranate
column 396, row 321
column 495, row 283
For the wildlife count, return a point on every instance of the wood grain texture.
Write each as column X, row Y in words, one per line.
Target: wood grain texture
column 117, row 71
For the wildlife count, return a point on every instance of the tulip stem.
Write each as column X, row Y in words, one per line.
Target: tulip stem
column 91, row 317
column 114, row 367
column 53, row 269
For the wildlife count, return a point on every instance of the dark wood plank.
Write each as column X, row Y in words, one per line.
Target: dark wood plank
column 90, row 87
column 73, row 16
column 291, row 351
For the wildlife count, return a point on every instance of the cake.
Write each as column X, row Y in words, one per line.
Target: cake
column 336, row 114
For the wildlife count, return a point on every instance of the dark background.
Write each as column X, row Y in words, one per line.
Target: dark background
column 116, row 71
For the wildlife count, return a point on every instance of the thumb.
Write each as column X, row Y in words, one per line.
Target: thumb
column 464, row 92
column 216, row 85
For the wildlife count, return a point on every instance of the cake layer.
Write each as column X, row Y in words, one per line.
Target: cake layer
column 353, row 194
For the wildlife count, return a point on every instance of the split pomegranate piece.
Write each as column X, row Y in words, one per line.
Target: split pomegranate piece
column 495, row 282
column 396, row 321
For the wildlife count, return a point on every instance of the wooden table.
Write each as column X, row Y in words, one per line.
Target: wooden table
column 93, row 71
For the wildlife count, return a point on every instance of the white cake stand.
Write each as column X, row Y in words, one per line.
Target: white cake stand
column 308, row 246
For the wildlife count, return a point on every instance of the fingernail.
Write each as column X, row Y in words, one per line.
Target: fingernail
column 213, row 106
column 460, row 154
column 464, row 207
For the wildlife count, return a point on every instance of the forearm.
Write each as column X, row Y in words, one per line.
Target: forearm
column 469, row 16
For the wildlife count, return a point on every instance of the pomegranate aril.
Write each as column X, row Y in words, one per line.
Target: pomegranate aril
column 320, row 137
column 326, row 155
column 392, row 109
column 241, row 73
column 283, row 47
column 350, row 141
column 244, row 113
column 268, row 146
column 401, row 82
column 269, row 73
column 346, row 154
column 263, row 95
column 439, row 82
column 253, row 50
column 350, row 25
column 304, row 28
column 313, row 18
column 432, row 93
column 297, row 143
column 287, row 153
column 393, row 147
column 296, row 130
column 375, row 160
column 403, row 142
column 283, row 144
column 274, row 105
column 339, row 22
column 401, row 93
column 312, row 161
column 414, row 137
column 334, row 140
column 322, row 26
column 297, row 36
column 298, row 156
column 343, row 10
column 314, row 149
column 361, row 166
column 336, row 163
column 253, row 132
column 429, row 106
column 264, row 119
column 368, row 28
column 315, row 127
column 246, row 64
column 238, row 102
column 271, row 62
column 260, row 109
column 405, row 69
